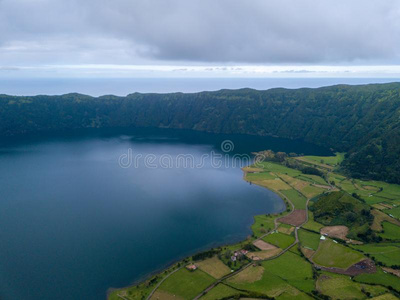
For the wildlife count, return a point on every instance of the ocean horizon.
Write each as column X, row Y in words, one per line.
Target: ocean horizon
column 124, row 86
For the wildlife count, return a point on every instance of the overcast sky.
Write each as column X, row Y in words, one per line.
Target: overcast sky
column 199, row 38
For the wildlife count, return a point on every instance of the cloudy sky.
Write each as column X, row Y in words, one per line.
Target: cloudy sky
column 129, row 38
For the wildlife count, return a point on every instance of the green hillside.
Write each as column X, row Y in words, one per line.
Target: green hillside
column 363, row 121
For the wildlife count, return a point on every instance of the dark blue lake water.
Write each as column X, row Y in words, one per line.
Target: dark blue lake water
column 74, row 223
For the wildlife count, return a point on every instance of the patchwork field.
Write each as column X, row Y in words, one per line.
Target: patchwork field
column 214, row 267
column 344, row 209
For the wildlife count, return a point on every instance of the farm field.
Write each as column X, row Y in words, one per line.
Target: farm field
column 381, row 278
column 395, row 212
column 390, row 231
column 262, row 224
column 220, row 291
column 331, row 254
column 298, row 200
column 339, row 286
column 311, row 224
column 386, row 254
column 309, row 239
column 279, row 239
column 265, row 270
column 293, row 269
column 214, row 267
column 268, row 284
column 186, row 284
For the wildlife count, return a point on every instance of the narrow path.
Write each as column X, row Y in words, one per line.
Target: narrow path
column 220, row 280
column 158, row 284
column 122, row 297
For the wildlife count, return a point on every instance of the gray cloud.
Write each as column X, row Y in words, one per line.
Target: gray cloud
column 199, row 31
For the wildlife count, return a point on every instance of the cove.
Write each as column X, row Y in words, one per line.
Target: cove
column 74, row 223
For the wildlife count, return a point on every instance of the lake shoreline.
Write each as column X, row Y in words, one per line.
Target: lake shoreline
column 202, row 249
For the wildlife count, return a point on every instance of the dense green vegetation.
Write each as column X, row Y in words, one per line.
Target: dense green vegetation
column 360, row 120
column 339, row 208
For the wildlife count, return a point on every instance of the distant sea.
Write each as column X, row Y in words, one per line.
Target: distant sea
column 123, row 87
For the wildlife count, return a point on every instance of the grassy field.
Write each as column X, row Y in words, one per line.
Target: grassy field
column 298, row 200
column 259, row 176
column 330, row 254
column 292, row 268
column 311, row 224
column 395, row 212
column 339, row 287
column 309, row 239
column 262, row 224
column 285, row 228
column 269, row 284
column 277, row 168
column 249, row 275
column 219, row 292
column 311, row 191
column 385, row 297
column 390, row 231
column 164, row 296
column 292, row 296
column 274, row 184
column 313, row 179
column 386, row 254
column 214, row 267
column 380, row 278
column 186, row 284
column 279, row 239
column 325, row 160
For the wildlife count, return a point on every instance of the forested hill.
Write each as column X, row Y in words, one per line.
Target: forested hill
column 361, row 120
